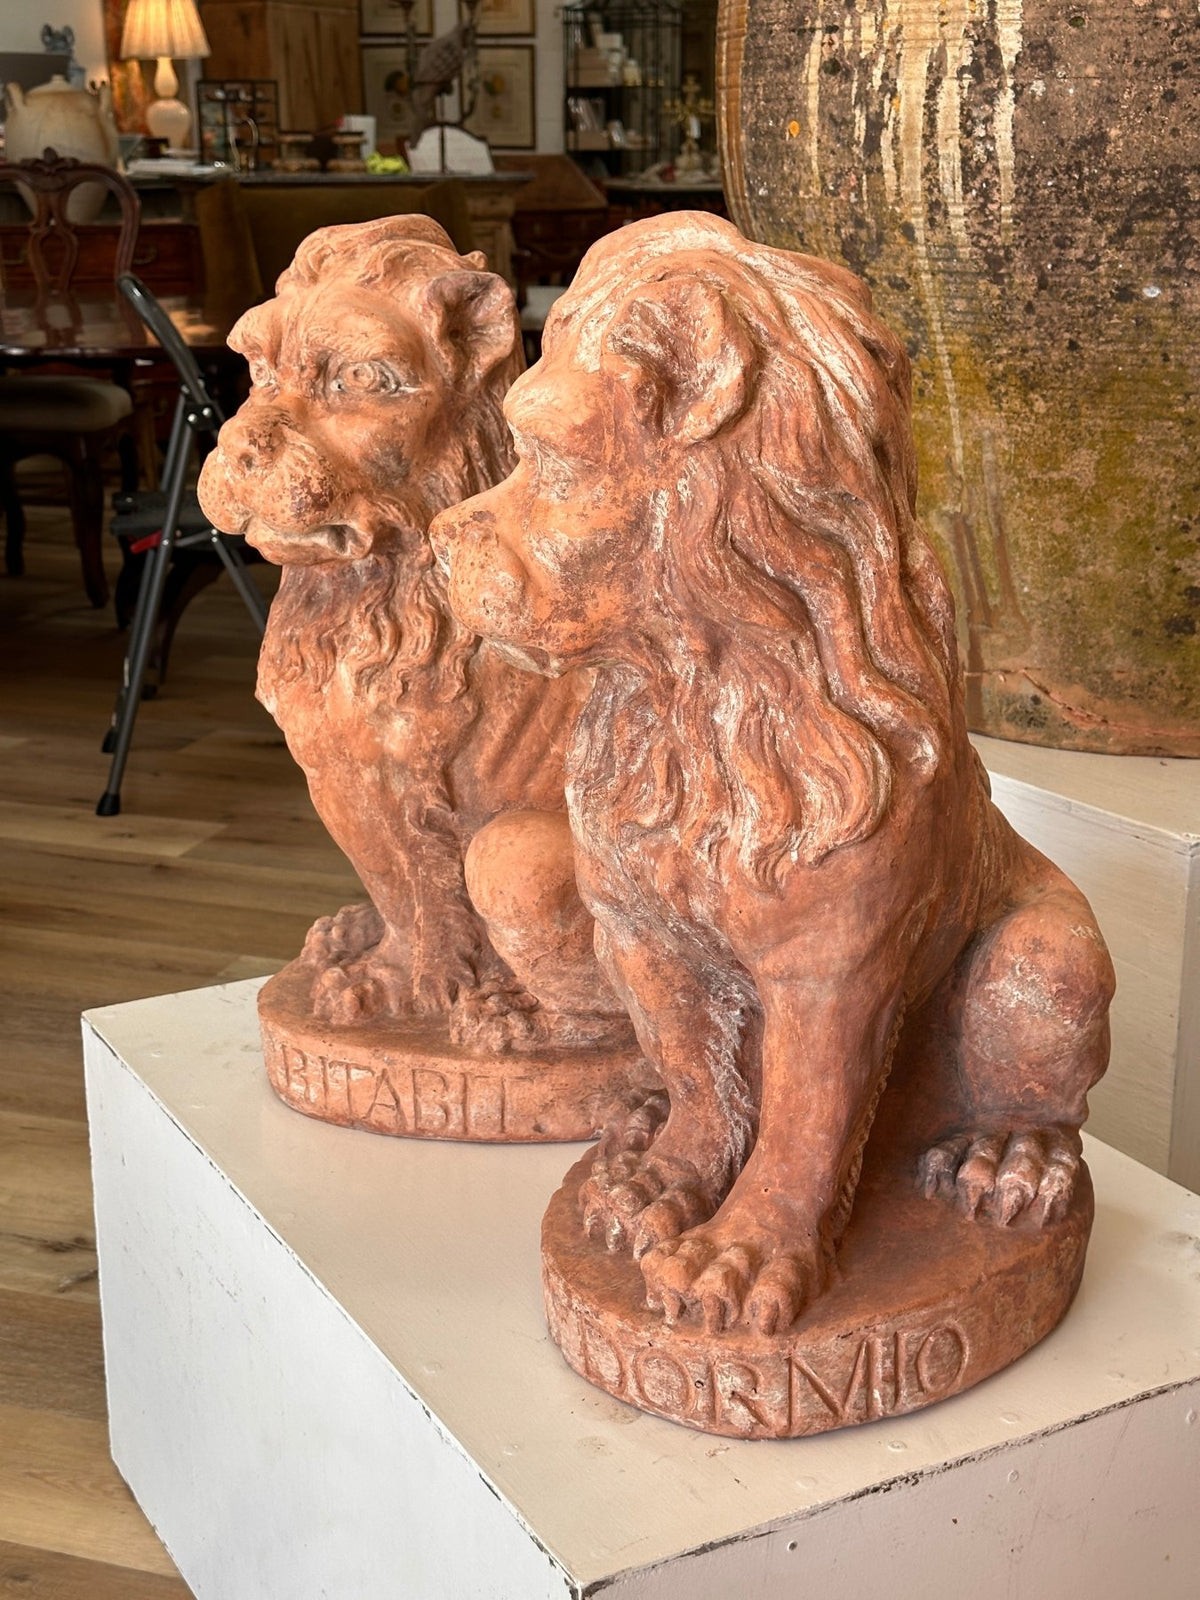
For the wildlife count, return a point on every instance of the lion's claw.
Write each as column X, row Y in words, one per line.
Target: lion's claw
column 501, row 1017
column 346, row 935
column 1004, row 1176
column 635, row 1200
column 638, row 1131
column 781, row 1293
column 746, row 1281
column 358, row 991
column 678, row 1208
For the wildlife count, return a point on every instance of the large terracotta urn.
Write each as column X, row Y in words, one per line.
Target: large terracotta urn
column 1019, row 182
column 72, row 122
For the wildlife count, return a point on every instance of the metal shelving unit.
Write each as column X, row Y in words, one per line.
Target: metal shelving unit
column 623, row 65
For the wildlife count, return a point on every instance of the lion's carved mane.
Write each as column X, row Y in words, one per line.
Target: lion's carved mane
column 813, row 641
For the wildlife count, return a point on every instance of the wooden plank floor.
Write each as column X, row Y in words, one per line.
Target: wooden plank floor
column 214, row 870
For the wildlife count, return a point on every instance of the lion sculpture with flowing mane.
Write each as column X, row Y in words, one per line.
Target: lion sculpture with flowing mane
column 799, row 881
column 378, row 373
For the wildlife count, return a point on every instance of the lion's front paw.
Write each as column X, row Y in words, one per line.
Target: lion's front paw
column 1003, row 1176
column 635, row 1199
column 637, row 1129
column 729, row 1275
column 493, row 1019
column 360, row 991
column 500, row 1017
column 348, row 934
column 435, row 992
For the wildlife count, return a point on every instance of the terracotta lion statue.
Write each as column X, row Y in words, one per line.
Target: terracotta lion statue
column 378, row 373
column 799, row 881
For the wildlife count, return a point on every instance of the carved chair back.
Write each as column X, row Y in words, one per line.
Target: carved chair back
column 48, row 184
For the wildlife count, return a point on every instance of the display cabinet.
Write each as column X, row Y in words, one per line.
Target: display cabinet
column 622, row 68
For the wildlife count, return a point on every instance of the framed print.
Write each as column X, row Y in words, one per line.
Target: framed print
column 504, row 104
column 505, row 16
column 385, row 91
column 391, row 16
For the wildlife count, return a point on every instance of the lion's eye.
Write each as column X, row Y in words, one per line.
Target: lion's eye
column 365, row 377
column 261, row 375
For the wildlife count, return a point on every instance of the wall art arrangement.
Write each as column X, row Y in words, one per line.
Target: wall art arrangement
column 424, row 63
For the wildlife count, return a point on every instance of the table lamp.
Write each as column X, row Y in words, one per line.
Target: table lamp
column 163, row 29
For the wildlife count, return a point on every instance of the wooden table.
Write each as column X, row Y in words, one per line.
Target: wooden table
column 98, row 327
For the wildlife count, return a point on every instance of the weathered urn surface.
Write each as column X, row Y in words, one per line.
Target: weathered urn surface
column 1017, row 181
column 464, row 1001
column 875, row 1009
column 72, row 122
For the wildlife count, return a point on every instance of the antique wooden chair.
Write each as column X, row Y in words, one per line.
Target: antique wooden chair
column 165, row 523
column 75, row 418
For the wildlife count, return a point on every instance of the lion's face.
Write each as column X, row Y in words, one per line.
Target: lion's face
column 559, row 564
column 547, row 564
column 359, row 413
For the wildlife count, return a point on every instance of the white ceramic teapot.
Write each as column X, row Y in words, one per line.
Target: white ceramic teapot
column 74, row 122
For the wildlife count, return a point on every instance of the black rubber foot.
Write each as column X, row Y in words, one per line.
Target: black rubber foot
column 109, row 743
column 109, row 805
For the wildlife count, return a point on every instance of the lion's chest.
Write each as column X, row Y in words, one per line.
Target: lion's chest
column 643, row 878
column 325, row 727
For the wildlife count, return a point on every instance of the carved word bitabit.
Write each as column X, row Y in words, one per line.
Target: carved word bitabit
column 401, row 1099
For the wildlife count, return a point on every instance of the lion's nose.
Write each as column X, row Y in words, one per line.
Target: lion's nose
column 249, row 435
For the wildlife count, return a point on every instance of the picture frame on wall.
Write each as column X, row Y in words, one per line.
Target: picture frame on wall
column 505, row 16
column 505, row 106
column 384, row 17
column 385, row 83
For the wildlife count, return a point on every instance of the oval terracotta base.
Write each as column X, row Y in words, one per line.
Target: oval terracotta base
column 925, row 1303
column 409, row 1080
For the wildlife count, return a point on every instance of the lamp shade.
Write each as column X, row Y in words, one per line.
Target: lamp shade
column 155, row 28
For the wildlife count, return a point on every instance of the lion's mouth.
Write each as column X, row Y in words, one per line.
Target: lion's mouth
column 329, row 541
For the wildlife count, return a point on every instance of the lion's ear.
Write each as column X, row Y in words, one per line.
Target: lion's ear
column 472, row 322
column 685, row 357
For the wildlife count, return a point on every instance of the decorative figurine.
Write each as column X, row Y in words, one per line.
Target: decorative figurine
column 876, row 1010
column 465, row 1000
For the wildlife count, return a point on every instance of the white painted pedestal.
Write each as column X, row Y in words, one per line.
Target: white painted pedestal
column 1127, row 830
column 329, row 1376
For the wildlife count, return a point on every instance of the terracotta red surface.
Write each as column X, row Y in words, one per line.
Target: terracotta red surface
column 378, row 371
column 818, row 921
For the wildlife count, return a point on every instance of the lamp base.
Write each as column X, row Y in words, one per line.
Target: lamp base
column 170, row 120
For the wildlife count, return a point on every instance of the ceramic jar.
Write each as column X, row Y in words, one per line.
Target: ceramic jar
column 73, row 122
column 1017, row 181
